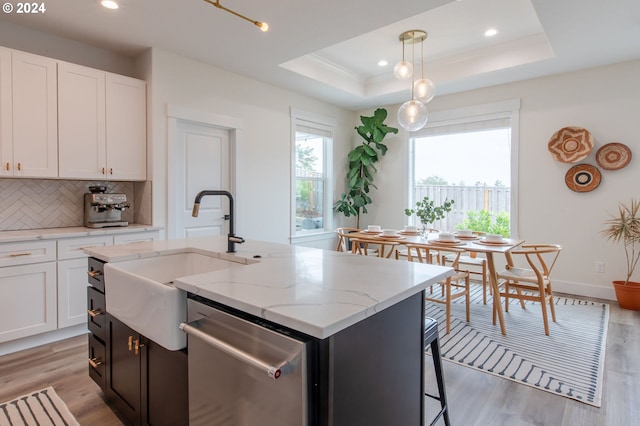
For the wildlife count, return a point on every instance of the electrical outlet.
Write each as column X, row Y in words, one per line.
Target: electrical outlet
column 600, row 267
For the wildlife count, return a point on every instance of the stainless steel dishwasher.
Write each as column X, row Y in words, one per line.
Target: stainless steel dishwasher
column 243, row 373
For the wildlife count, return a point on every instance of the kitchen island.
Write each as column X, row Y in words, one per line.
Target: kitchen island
column 363, row 316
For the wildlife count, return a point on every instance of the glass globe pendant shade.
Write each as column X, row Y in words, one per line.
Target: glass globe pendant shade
column 403, row 70
column 424, row 90
column 412, row 115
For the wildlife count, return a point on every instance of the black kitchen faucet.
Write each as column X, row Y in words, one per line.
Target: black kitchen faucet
column 231, row 238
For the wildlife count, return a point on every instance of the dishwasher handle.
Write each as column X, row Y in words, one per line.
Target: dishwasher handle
column 274, row 372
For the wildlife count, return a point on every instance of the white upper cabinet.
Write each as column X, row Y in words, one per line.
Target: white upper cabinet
column 81, row 122
column 126, row 128
column 35, row 117
column 102, row 120
column 6, row 122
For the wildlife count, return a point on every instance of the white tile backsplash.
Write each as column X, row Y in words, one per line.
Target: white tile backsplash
column 47, row 203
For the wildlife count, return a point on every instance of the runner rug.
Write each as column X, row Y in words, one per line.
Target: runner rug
column 568, row 362
column 43, row 408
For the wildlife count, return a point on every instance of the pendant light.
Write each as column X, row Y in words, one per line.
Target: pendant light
column 413, row 114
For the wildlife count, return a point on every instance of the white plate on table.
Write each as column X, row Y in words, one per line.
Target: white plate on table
column 493, row 243
column 447, row 242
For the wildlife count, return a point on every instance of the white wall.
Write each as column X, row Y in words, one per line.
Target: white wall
column 263, row 154
column 604, row 100
column 39, row 43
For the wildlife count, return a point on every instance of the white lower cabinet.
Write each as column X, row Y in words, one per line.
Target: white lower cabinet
column 27, row 300
column 38, row 293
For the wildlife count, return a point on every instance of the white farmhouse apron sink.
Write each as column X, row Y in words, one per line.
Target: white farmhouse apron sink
column 140, row 293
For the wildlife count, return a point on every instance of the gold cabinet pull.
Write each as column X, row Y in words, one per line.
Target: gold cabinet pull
column 94, row 312
column 20, row 254
column 19, row 166
column 94, row 274
column 130, row 343
column 110, row 171
column 7, row 166
column 95, row 362
column 103, row 170
column 137, row 347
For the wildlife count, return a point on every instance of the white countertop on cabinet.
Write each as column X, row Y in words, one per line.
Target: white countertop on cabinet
column 71, row 232
column 314, row 291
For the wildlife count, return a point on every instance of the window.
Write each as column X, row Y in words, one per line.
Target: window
column 311, row 191
column 469, row 156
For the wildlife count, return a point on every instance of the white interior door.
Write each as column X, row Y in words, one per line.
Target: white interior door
column 199, row 161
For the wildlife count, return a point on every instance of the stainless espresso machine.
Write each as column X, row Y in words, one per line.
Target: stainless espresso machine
column 102, row 210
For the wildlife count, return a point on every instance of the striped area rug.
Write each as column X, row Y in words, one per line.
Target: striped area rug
column 569, row 362
column 43, row 408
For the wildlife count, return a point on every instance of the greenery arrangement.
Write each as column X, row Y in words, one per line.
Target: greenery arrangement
column 361, row 165
column 625, row 227
column 480, row 220
column 428, row 212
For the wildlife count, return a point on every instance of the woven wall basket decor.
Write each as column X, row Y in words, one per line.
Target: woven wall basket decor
column 613, row 156
column 571, row 144
column 582, row 178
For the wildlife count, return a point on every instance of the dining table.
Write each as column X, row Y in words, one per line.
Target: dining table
column 474, row 244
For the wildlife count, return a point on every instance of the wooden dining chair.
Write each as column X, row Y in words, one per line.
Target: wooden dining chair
column 530, row 282
column 475, row 266
column 452, row 287
column 367, row 247
column 343, row 238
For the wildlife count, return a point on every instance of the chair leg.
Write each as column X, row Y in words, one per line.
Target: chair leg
column 520, row 296
column 467, row 296
column 484, row 283
column 448, row 305
column 543, row 304
column 551, row 303
column 437, row 363
column 506, row 295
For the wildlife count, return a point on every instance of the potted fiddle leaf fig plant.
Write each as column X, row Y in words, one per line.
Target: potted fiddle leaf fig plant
column 624, row 228
column 428, row 212
column 361, row 165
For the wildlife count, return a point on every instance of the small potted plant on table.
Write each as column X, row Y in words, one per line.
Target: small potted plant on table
column 625, row 227
column 428, row 212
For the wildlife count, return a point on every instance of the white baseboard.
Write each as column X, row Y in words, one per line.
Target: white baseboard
column 42, row 339
column 587, row 290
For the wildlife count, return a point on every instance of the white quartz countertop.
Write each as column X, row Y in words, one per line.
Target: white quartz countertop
column 70, row 232
column 314, row 291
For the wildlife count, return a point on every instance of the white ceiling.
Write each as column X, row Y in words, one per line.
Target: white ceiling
column 329, row 49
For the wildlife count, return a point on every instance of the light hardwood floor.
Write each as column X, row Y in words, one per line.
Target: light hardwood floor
column 475, row 398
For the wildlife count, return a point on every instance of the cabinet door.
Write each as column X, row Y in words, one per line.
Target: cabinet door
column 72, row 292
column 123, row 370
column 126, row 128
column 27, row 300
column 167, row 388
column 6, row 136
column 81, row 122
column 35, row 116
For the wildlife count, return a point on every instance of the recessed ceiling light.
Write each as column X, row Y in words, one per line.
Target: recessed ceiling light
column 109, row 4
column 490, row 32
column 383, row 63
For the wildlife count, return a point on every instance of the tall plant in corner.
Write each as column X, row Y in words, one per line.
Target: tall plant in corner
column 361, row 165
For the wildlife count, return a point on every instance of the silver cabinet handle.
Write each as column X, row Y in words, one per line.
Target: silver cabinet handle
column 275, row 372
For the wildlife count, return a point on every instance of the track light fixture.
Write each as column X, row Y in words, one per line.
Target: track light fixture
column 262, row 25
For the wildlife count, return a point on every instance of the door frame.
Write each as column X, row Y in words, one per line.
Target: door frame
column 206, row 118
